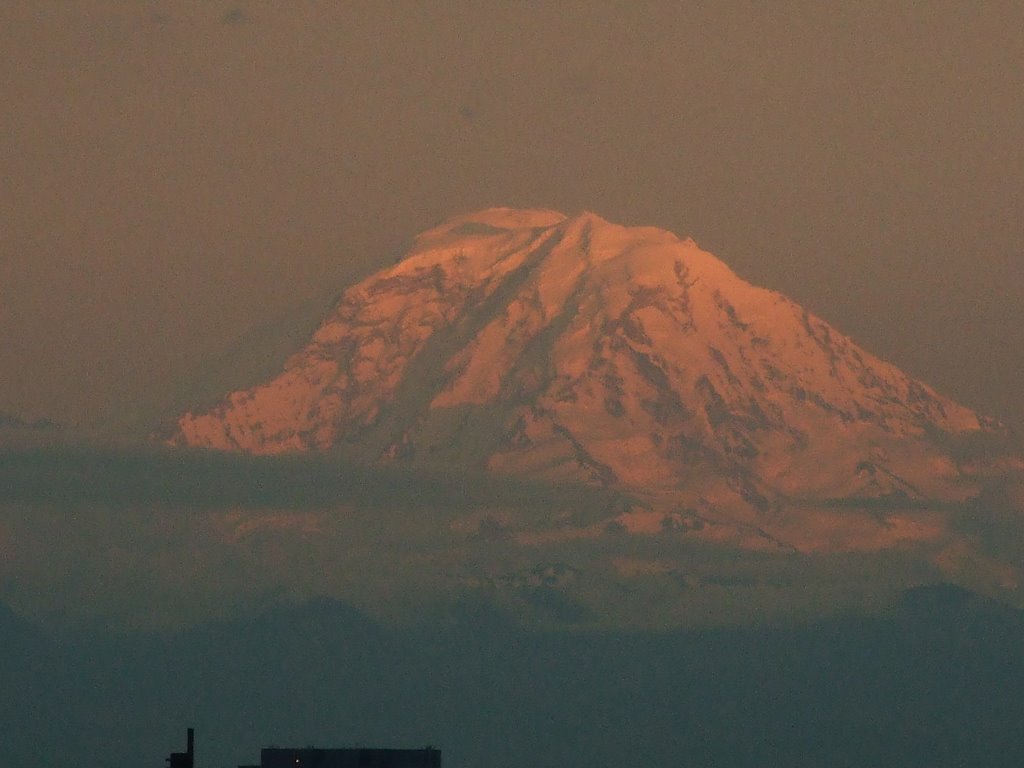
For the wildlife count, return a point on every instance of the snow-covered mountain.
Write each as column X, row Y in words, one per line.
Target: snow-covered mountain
column 530, row 343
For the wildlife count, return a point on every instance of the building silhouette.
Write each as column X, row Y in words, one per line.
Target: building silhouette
column 186, row 759
column 312, row 757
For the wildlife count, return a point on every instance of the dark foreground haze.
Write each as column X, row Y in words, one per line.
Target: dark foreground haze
column 168, row 588
column 935, row 683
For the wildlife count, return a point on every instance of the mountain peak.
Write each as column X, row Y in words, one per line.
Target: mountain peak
column 531, row 343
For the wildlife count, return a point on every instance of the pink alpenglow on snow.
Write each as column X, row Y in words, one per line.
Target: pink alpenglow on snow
column 530, row 343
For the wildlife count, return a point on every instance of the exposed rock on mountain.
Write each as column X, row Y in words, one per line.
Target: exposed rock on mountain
column 530, row 343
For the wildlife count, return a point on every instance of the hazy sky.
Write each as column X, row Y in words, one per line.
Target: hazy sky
column 174, row 173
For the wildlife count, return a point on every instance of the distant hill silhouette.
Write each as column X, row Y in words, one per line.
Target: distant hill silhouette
column 938, row 683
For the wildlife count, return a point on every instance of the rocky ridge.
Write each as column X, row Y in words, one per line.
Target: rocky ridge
column 529, row 343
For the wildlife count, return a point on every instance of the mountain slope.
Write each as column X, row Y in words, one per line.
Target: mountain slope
column 529, row 343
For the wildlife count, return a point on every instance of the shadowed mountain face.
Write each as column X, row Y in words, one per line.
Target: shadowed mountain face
column 528, row 343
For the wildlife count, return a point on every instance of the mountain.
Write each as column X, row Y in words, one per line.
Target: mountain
column 533, row 344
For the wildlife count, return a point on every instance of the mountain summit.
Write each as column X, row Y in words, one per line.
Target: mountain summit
column 530, row 343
